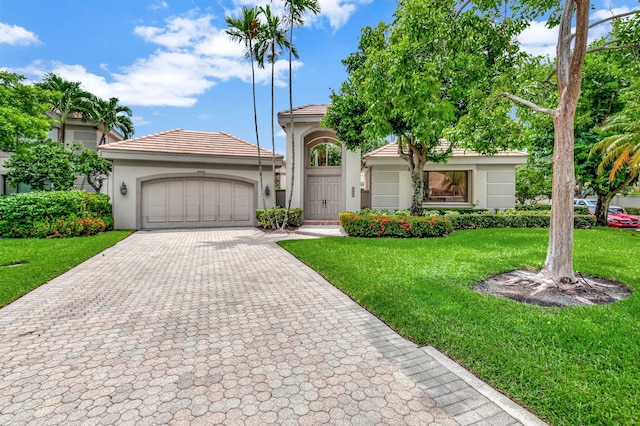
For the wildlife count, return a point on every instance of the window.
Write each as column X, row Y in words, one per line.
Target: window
column 446, row 187
column 325, row 155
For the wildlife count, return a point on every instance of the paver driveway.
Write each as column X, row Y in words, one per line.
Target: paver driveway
column 218, row 326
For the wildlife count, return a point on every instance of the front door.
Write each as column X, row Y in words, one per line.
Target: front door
column 323, row 197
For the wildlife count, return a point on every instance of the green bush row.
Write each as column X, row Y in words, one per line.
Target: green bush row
column 425, row 212
column 54, row 213
column 294, row 219
column 520, row 220
column 69, row 227
column 547, row 208
column 632, row 210
column 394, row 226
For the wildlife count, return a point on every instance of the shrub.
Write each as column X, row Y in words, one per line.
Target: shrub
column 632, row 210
column 357, row 225
column 547, row 208
column 49, row 214
column 533, row 207
column 520, row 220
column 294, row 219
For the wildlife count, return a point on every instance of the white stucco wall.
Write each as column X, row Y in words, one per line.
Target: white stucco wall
column 126, row 208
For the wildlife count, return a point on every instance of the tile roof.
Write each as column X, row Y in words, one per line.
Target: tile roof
column 391, row 150
column 179, row 141
column 315, row 109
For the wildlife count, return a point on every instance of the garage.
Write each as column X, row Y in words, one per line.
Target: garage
column 188, row 179
column 196, row 202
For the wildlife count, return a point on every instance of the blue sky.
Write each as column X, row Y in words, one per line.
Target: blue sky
column 170, row 61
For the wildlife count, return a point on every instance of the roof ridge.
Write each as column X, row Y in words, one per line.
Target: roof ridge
column 247, row 142
column 177, row 129
column 302, row 107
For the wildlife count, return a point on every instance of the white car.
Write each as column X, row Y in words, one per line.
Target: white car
column 590, row 203
column 584, row 202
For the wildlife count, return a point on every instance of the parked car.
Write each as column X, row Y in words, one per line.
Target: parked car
column 617, row 218
column 584, row 202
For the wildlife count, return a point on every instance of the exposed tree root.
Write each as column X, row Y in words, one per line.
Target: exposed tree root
column 531, row 287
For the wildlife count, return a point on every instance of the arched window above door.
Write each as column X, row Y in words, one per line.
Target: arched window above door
column 325, row 155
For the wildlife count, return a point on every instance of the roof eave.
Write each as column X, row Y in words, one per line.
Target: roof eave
column 115, row 154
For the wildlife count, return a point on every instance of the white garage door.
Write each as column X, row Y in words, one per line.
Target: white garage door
column 196, row 202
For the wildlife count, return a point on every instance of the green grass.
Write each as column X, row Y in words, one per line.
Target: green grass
column 26, row 264
column 571, row 366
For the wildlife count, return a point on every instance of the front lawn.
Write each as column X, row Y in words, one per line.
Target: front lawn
column 571, row 366
column 28, row 263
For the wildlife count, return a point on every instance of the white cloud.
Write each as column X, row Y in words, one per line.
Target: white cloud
column 192, row 57
column 336, row 12
column 16, row 36
column 159, row 4
column 138, row 121
column 608, row 12
column 537, row 39
column 178, row 33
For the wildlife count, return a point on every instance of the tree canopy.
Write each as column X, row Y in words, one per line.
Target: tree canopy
column 416, row 77
column 22, row 111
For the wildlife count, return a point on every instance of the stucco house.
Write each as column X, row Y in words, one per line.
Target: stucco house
column 77, row 130
column 325, row 188
column 467, row 180
column 187, row 179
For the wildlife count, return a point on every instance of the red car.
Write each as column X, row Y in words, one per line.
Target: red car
column 617, row 218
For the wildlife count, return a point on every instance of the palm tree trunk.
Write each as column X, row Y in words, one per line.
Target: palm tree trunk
column 293, row 141
column 255, row 122
column 273, row 135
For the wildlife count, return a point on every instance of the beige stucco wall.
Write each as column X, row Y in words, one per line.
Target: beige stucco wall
column 350, row 169
column 492, row 182
column 126, row 208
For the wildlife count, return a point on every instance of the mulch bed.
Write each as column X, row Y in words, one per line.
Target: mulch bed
column 529, row 287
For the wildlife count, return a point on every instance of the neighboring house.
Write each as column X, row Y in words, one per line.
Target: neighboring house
column 77, row 130
column 187, row 179
column 325, row 188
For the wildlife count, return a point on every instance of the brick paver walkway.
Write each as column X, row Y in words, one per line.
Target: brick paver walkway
column 219, row 327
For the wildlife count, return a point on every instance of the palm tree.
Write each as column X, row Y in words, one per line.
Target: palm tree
column 110, row 115
column 246, row 30
column 273, row 39
column 71, row 101
column 295, row 11
column 620, row 151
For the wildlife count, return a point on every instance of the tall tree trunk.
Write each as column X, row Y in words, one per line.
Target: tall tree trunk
column 293, row 140
column 62, row 133
column 255, row 121
column 570, row 60
column 273, row 135
column 602, row 209
column 416, row 167
column 559, row 263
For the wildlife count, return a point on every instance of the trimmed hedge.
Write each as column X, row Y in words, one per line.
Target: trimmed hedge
column 294, row 219
column 547, row 208
column 394, row 226
column 54, row 214
column 520, row 220
column 632, row 210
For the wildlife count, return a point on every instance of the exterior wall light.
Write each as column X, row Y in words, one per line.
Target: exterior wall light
column 123, row 189
column 267, row 191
